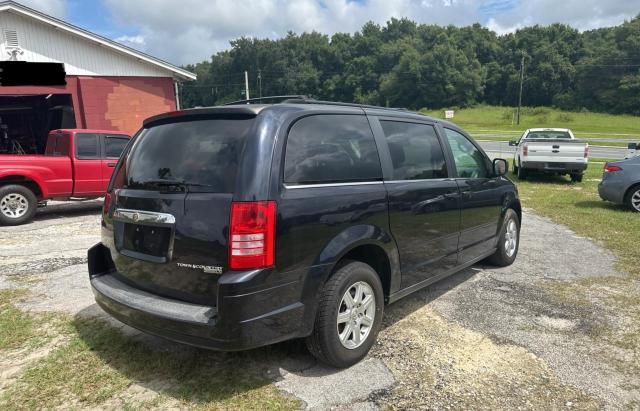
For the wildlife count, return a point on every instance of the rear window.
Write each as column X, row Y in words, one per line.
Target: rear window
column 58, row 145
column 331, row 149
column 204, row 153
column 549, row 134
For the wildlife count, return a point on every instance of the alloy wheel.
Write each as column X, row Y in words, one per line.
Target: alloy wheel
column 635, row 200
column 356, row 314
column 511, row 238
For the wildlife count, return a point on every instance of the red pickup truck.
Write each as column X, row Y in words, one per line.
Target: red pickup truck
column 76, row 164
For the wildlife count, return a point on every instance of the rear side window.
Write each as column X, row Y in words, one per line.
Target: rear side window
column 114, row 145
column 87, row 146
column 202, row 153
column 331, row 149
column 416, row 152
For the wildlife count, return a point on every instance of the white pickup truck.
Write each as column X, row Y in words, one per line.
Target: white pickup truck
column 550, row 150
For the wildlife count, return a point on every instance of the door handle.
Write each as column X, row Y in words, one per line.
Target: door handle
column 111, row 164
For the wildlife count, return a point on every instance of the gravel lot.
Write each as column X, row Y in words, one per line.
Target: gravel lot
column 484, row 338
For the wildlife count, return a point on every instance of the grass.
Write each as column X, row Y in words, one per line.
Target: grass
column 16, row 327
column 19, row 329
column 99, row 364
column 584, row 124
column 579, row 207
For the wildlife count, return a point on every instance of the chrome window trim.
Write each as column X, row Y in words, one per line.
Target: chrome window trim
column 355, row 183
column 143, row 217
column 418, row 180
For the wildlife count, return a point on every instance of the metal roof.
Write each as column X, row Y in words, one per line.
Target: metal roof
column 15, row 7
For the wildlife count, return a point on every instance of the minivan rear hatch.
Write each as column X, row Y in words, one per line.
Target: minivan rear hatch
column 172, row 196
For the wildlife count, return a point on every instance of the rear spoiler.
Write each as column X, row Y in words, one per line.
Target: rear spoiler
column 244, row 111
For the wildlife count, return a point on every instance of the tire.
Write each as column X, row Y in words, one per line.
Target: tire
column 521, row 173
column 18, row 205
column 507, row 250
column 515, row 167
column 576, row 178
column 632, row 199
column 325, row 343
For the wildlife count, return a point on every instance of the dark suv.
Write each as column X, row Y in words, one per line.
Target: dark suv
column 238, row 226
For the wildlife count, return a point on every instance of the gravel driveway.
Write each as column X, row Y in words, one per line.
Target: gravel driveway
column 484, row 338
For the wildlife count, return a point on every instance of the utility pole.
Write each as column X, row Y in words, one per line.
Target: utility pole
column 260, row 83
column 521, row 81
column 246, row 85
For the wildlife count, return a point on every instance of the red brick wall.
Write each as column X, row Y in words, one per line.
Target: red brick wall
column 122, row 103
column 111, row 103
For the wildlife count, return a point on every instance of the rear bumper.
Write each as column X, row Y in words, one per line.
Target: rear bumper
column 610, row 191
column 225, row 328
column 554, row 167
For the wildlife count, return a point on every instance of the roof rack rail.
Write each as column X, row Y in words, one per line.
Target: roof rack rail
column 271, row 99
column 302, row 99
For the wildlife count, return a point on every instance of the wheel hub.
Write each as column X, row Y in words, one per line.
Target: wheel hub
column 14, row 205
column 356, row 314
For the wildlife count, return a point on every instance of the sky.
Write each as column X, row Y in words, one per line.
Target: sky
column 189, row 31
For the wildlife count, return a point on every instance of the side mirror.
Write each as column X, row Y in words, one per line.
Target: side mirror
column 500, row 167
column 513, row 143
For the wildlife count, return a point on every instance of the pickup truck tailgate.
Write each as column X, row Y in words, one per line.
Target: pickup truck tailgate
column 569, row 151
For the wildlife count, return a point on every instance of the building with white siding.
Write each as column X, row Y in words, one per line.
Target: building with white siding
column 109, row 86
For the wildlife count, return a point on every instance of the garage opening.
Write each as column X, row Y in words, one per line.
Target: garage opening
column 25, row 121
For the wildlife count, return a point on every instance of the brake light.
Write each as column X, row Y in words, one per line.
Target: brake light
column 611, row 169
column 525, row 150
column 106, row 204
column 586, row 151
column 252, row 235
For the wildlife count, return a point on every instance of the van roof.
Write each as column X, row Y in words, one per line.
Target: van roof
column 247, row 108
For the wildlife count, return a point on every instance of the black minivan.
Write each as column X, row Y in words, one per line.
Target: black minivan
column 243, row 225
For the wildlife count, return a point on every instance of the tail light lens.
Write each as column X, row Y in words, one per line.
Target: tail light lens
column 586, row 151
column 106, row 204
column 611, row 169
column 525, row 150
column 252, row 235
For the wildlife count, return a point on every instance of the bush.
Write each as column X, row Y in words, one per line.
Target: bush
column 564, row 118
column 536, row 111
column 507, row 115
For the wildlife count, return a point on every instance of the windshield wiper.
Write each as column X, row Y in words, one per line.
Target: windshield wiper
column 172, row 182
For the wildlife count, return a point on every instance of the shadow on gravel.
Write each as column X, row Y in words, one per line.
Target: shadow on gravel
column 413, row 302
column 68, row 209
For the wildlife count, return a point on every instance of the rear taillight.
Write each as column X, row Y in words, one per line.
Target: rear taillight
column 611, row 169
column 106, row 204
column 252, row 235
column 525, row 150
column 586, row 151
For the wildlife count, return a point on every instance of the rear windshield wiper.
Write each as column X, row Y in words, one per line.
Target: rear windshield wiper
column 172, row 183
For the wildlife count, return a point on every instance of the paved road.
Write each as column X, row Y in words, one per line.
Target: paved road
column 502, row 149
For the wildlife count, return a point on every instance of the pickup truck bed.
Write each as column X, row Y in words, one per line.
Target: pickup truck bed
column 76, row 163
